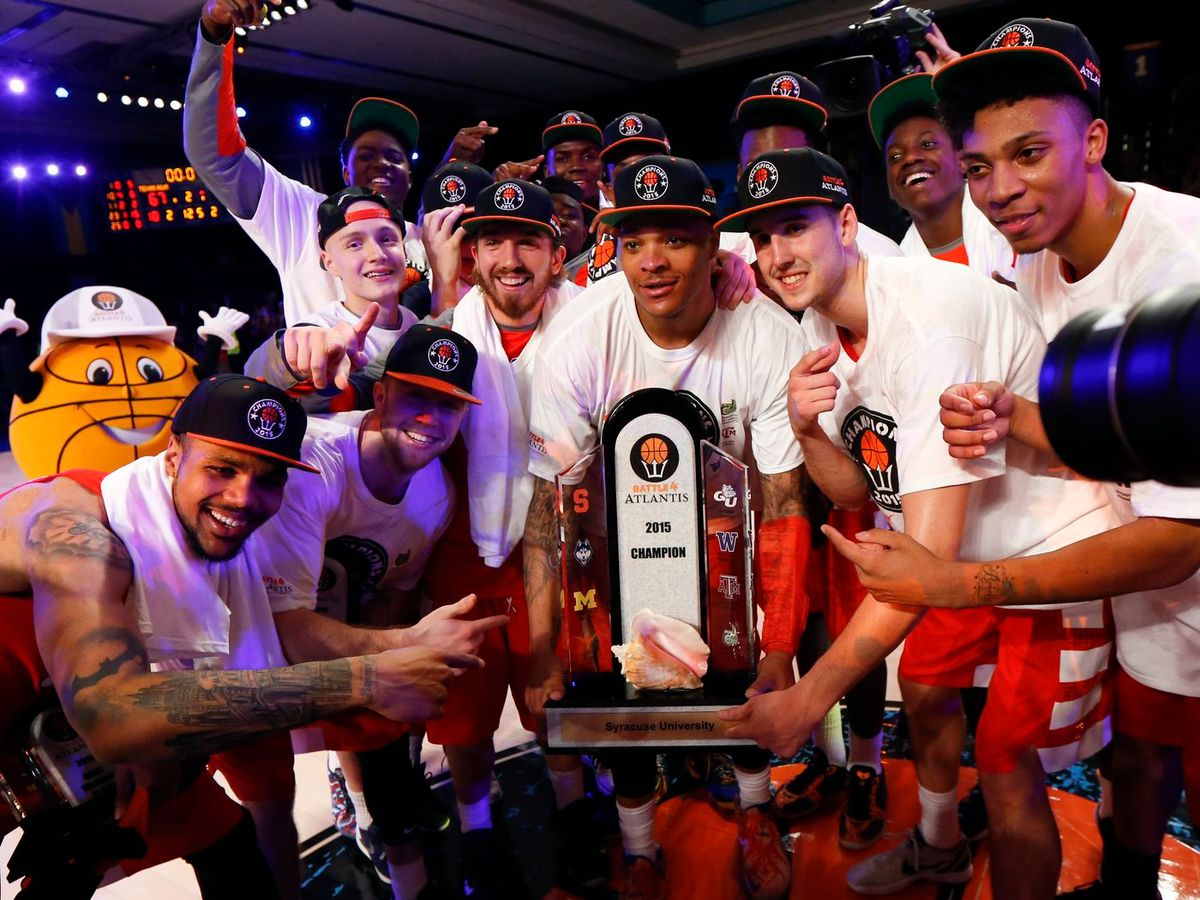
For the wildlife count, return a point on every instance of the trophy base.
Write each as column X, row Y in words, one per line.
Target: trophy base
column 603, row 712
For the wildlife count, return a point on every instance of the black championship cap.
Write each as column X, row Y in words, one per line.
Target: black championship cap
column 1056, row 53
column 435, row 358
column 381, row 114
column 787, row 178
column 661, row 184
column 515, row 201
column 781, row 98
column 633, row 133
column 455, row 182
column 246, row 414
column 556, row 185
column 332, row 216
column 571, row 125
column 904, row 98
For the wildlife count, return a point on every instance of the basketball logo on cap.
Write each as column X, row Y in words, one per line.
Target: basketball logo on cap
column 509, row 196
column 443, row 355
column 1015, row 35
column 786, row 85
column 107, row 301
column 630, row 125
column 452, row 189
column 650, row 183
column 570, row 119
column 267, row 419
column 761, row 179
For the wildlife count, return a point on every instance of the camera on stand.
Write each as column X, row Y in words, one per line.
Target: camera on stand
column 886, row 44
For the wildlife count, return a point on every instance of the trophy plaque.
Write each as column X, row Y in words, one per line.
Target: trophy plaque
column 658, row 599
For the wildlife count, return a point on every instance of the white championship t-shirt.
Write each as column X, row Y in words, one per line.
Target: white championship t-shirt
column 285, row 228
column 933, row 324
column 1158, row 246
column 367, row 546
column 379, row 339
column 597, row 353
column 987, row 249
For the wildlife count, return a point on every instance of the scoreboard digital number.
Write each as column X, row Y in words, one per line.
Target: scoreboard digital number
column 160, row 198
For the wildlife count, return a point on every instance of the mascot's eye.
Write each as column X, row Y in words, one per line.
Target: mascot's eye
column 149, row 369
column 99, row 371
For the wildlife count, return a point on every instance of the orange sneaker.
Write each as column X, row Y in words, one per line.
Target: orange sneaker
column 766, row 866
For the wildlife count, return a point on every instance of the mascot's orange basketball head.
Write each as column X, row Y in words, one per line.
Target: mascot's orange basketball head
column 111, row 383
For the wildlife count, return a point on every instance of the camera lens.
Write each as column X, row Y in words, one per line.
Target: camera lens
column 1118, row 391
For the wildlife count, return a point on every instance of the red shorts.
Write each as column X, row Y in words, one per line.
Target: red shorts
column 1157, row 717
column 952, row 648
column 191, row 821
column 1052, row 689
column 476, row 697
column 831, row 583
column 259, row 770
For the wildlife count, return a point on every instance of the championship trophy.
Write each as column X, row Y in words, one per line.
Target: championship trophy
column 658, row 597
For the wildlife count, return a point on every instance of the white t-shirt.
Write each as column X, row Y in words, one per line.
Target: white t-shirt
column 870, row 242
column 1158, row 246
column 285, row 228
column 368, row 546
column 933, row 324
column 379, row 339
column 597, row 352
column 987, row 249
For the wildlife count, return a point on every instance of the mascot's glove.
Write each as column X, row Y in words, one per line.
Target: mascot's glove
column 223, row 325
column 10, row 321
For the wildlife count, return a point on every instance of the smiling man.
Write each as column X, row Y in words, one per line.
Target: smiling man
column 572, row 142
column 660, row 326
column 863, row 407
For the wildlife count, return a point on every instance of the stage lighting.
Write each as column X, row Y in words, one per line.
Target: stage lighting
column 240, row 31
column 126, row 99
column 289, row 11
column 52, row 169
column 20, row 172
column 159, row 103
column 16, row 85
column 276, row 15
column 143, row 102
column 176, row 105
column 415, row 156
column 102, row 97
column 305, row 122
column 302, row 4
column 61, row 93
column 241, row 112
column 81, row 170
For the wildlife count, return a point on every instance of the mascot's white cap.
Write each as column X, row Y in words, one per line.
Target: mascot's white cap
column 103, row 311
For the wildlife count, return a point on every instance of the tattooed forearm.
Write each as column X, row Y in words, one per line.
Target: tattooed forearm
column 541, row 560
column 117, row 647
column 62, row 532
column 993, row 586
column 783, row 494
column 260, row 700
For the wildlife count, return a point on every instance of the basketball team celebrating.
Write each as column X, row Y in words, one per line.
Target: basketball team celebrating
column 357, row 549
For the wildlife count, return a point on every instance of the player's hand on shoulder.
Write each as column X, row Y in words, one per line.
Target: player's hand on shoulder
column 411, row 684
column 812, row 388
column 735, row 282
column 322, row 355
column 975, row 415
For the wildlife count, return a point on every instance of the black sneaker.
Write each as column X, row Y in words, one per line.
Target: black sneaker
column 581, row 861
column 972, row 815
column 865, row 814
column 432, row 817
column 804, row 794
column 371, row 843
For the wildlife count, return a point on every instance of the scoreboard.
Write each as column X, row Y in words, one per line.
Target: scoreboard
column 160, row 198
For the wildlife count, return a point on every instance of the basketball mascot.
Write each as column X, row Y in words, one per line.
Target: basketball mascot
column 108, row 381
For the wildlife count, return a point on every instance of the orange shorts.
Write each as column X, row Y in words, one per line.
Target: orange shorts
column 952, row 648
column 1052, row 688
column 191, row 821
column 260, row 769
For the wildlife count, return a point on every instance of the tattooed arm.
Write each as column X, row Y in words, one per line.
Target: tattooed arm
column 782, row 721
column 542, row 591
column 79, row 574
column 1145, row 555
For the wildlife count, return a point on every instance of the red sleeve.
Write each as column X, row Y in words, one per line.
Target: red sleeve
column 783, row 549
